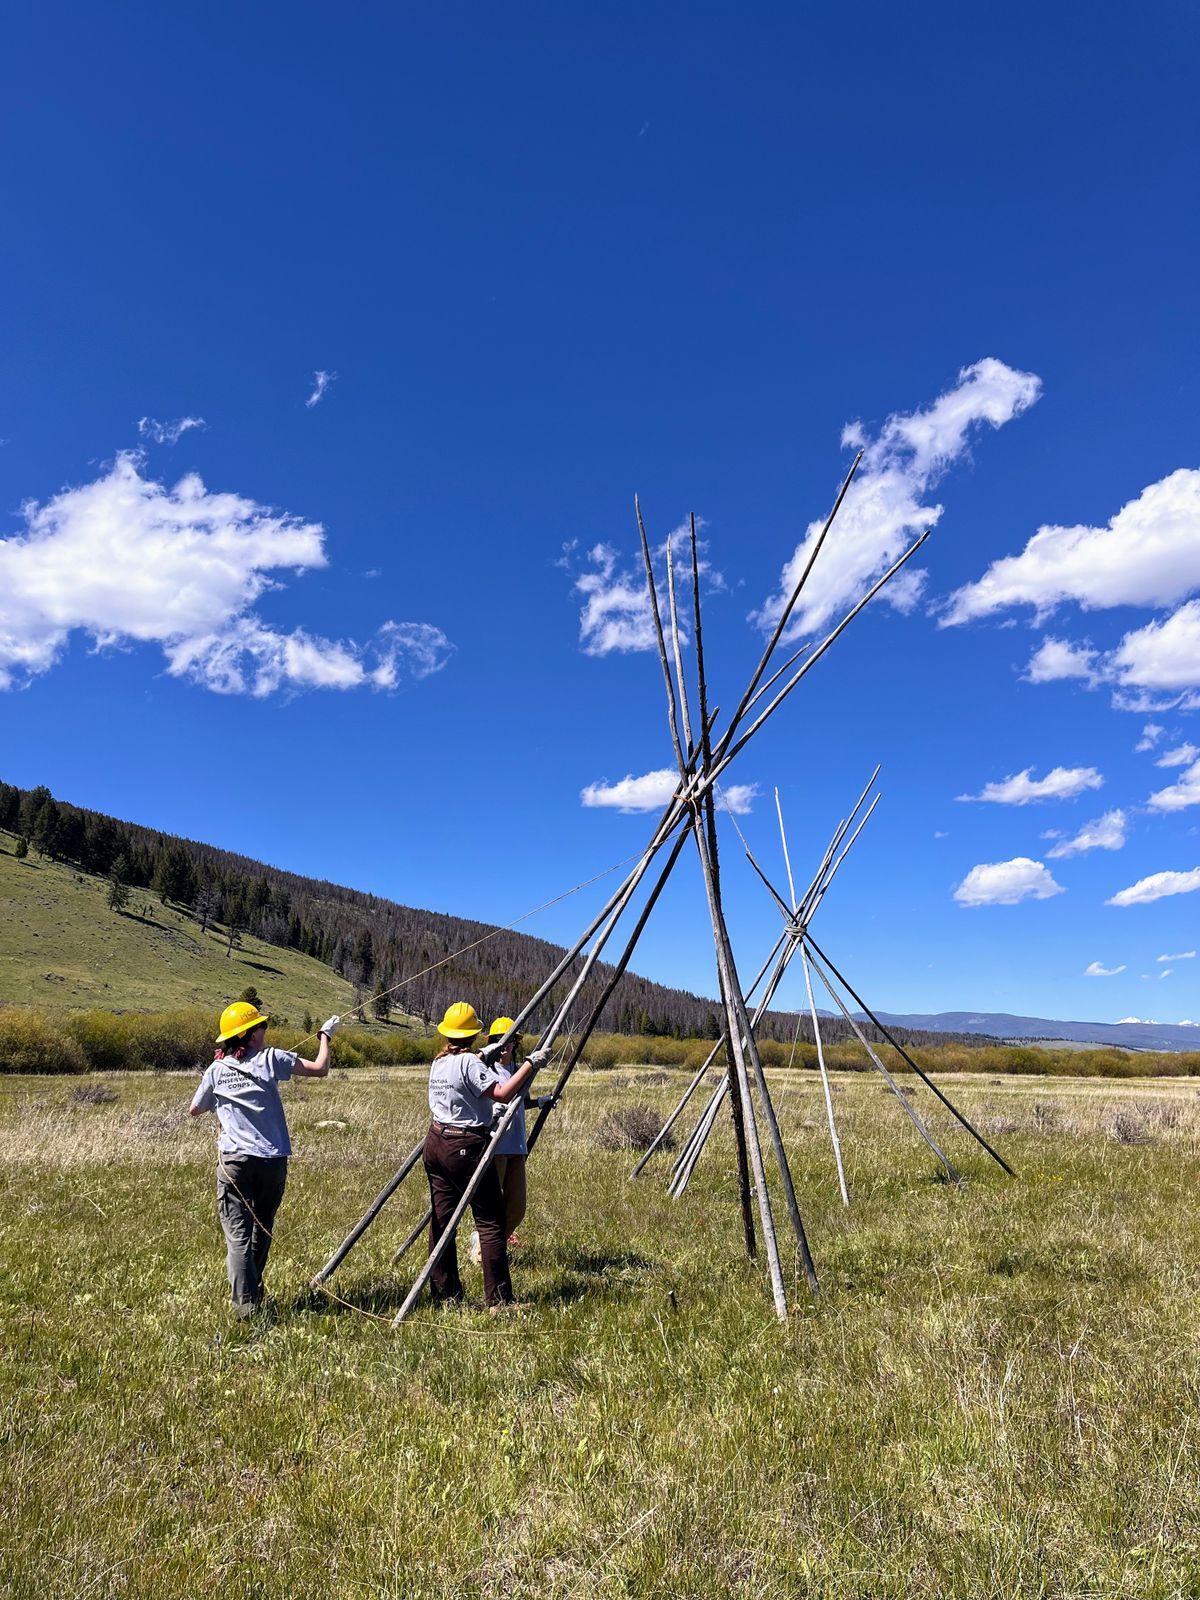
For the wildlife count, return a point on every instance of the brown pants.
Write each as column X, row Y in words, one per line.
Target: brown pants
column 451, row 1156
column 511, row 1172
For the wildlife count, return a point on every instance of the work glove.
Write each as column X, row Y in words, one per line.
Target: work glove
column 331, row 1027
column 490, row 1051
column 540, row 1057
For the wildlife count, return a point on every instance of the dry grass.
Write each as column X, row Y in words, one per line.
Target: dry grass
column 992, row 1397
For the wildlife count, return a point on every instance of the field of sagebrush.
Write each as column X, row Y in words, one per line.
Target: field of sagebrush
column 995, row 1394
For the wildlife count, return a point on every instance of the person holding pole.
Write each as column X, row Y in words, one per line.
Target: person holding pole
column 513, row 1148
column 242, row 1087
column 464, row 1091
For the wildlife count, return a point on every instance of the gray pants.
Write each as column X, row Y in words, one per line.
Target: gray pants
column 249, row 1189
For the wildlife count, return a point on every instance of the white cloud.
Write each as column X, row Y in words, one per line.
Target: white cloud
column 1183, row 955
column 883, row 510
column 1095, row 970
column 1151, row 734
column 652, row 790
column 616, row 613
column 616, row 607
column 125, row 561
column 1056, row 659
column 939, row 833
column 1180, row 795
column 167, row 432
column 1147, row 555
column 1165, row 973
column 1105, row 833
column 1182, row 756
column 1156, row 887
column 1060, row 783
column 1005, row 883
column 321, row 382
column 1164, row 655
column 737, row 798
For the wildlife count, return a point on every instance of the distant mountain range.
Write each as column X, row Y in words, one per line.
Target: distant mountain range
column 1131, row 1034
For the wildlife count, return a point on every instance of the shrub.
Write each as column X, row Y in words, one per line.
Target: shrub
column 92, row 1094
column 31, row 1041
column 630, row 1128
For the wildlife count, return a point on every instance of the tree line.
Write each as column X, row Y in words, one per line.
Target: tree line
column 372, row 942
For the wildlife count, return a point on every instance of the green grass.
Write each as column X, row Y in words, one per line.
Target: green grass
column 61, row 945
column 994, row 1396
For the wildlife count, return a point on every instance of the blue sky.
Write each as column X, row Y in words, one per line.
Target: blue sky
column 548, row 260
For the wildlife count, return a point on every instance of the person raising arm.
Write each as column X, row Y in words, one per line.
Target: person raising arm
column 253, row 1144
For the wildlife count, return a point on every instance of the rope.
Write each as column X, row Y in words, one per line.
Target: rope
column 475, row 943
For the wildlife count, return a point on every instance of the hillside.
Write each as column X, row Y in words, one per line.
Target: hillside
column 1001, row 1025
column 302, row 937
column 61, row 945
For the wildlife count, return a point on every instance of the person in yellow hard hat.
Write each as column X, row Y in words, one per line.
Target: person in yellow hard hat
column 464, row 1091
column 513, row 1147
column 242, row 1087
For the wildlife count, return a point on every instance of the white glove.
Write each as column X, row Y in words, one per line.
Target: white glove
column 490, row 1052
column 540, row 1057
column 331, row 1027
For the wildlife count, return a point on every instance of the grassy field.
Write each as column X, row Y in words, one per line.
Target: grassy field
column 995, row 1395
column 60, row 945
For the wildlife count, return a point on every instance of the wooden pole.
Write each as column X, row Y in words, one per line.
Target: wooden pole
column 896, row 1045
column 740, row 1145
column 368, row 1217
column 708, row 1061
column 741, row 1035
column 833, row 1133
column 785, row 614
column 411, row 1238
column 913, row 1114
column 728, row 746
column 678, row 1111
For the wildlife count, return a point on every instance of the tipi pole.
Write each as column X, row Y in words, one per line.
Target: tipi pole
column 368, row 1217
column 741, row 1148
column 708, row 1061
column 899, row 1048
column 787, row 860
column 741, row 1034
column 913, row 1114
column 678, row 1111
column 411, row 1238
column 833, row 1133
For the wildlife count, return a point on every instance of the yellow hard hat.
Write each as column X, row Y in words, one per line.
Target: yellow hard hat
column 500, row 1027
column 460, row 1022
column 240, row 1017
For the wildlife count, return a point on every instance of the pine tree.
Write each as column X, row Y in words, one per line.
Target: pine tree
column 174, row 876
column 22, row 849
column 118, row 889
column 251, row 996
column 208, row 903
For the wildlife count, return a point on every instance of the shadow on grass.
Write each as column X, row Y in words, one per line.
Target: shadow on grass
column 573, row 1275
column 576, row 1275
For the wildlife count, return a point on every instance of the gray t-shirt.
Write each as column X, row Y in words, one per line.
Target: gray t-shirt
column 458, row 1090
column 245, row 1096
column 513, row 1141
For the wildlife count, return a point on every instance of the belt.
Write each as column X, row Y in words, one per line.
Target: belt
column 461, row 1130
